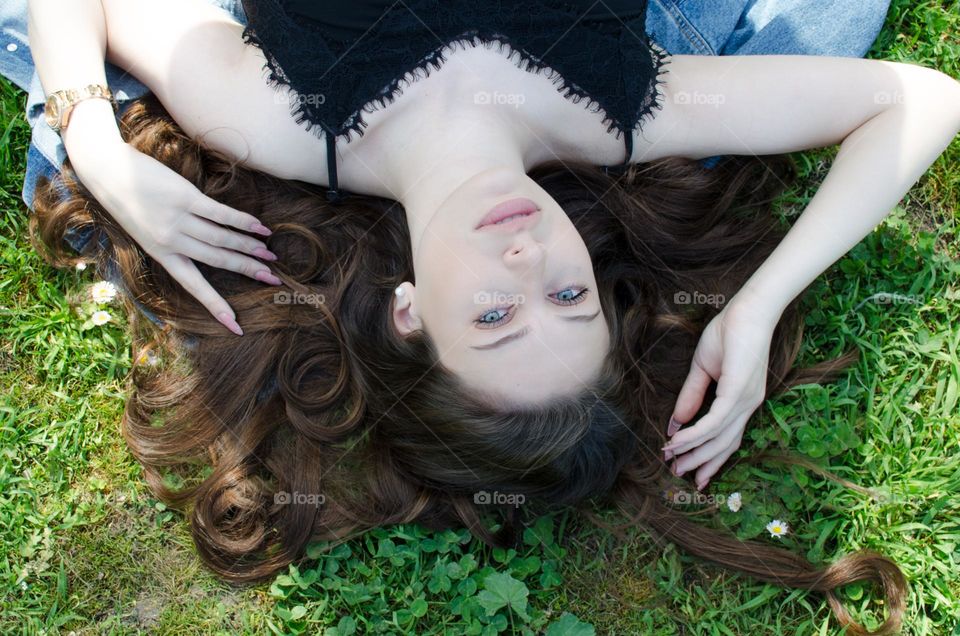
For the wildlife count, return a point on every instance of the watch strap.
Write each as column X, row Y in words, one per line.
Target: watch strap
column 70, row 97
column 75, row 95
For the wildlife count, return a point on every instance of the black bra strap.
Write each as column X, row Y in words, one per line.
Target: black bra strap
column 333, row 192
column 628, row 142
column 621, row 168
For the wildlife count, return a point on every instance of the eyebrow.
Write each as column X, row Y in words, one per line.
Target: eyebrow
column 516, row 335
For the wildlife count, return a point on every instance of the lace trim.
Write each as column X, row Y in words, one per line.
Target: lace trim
column 653, row 96
column 355, row 123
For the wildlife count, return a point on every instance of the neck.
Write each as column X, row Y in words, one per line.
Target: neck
column 434, row 153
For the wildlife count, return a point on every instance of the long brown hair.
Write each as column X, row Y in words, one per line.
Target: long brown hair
column 324, row 399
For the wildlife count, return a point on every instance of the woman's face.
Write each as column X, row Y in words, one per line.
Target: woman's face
column 511, row 307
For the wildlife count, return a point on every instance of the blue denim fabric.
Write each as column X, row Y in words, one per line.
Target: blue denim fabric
column 693, row 27
column 844, row 28
column 765, row 27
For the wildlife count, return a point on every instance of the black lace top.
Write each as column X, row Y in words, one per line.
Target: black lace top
column 342, row 58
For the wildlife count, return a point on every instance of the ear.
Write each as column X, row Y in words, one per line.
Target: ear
column 405, row 317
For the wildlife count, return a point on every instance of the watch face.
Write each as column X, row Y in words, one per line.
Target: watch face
column 52, row 112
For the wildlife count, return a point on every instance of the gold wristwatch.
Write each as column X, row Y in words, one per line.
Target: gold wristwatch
column 60, row 103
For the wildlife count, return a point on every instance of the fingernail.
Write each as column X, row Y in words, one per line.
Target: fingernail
column 667, row 455
column 701, row 484
column 672, row 427
column 260, row 228
column 230, row 323
column 264, row 253
column 265, row 276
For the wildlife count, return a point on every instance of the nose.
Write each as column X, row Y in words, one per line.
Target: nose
column 523, row 252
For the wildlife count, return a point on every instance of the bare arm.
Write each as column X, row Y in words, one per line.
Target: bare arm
column 164, row 213
column 191, row 55
column 68, row 41
column 892, row 121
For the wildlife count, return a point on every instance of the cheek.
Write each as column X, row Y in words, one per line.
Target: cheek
column 452, row 264
column 445, row 281
column 441, row 248
column 441, row 314
column 579, row 253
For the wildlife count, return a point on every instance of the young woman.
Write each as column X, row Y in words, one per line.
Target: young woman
column 495, row 367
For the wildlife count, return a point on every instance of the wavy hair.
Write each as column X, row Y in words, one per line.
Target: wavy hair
column 324, row 397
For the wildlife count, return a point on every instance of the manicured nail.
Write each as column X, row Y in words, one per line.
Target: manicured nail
column 230, row 323
column 264, row 276
column 265, row 254
column 672, row 427
column 260, row 228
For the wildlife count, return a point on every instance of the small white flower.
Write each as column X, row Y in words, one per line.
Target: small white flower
column 100, row 317
column 81, row 265
column 777, row 528
column 734, row 502
column 103, row 292
column 148, row 357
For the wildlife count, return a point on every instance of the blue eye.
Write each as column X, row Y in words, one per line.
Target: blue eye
column 571, row 296
column 492, row 318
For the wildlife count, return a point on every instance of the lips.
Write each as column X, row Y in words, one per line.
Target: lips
column 511, row 213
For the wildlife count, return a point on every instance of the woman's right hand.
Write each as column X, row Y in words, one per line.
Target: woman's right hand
column 174, row 222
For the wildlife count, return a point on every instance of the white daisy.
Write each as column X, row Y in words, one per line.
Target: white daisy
column 103, row 292
column 777, row 528
column 81, row 265
column 734, row 502
column 148, row 357
column 100, row 317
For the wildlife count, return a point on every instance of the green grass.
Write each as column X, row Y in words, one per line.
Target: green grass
column 84, row 547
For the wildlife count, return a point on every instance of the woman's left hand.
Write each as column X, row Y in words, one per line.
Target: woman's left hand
column 734, row 350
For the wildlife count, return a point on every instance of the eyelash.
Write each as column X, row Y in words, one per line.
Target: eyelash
column 496, row 323
column 576, row 300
